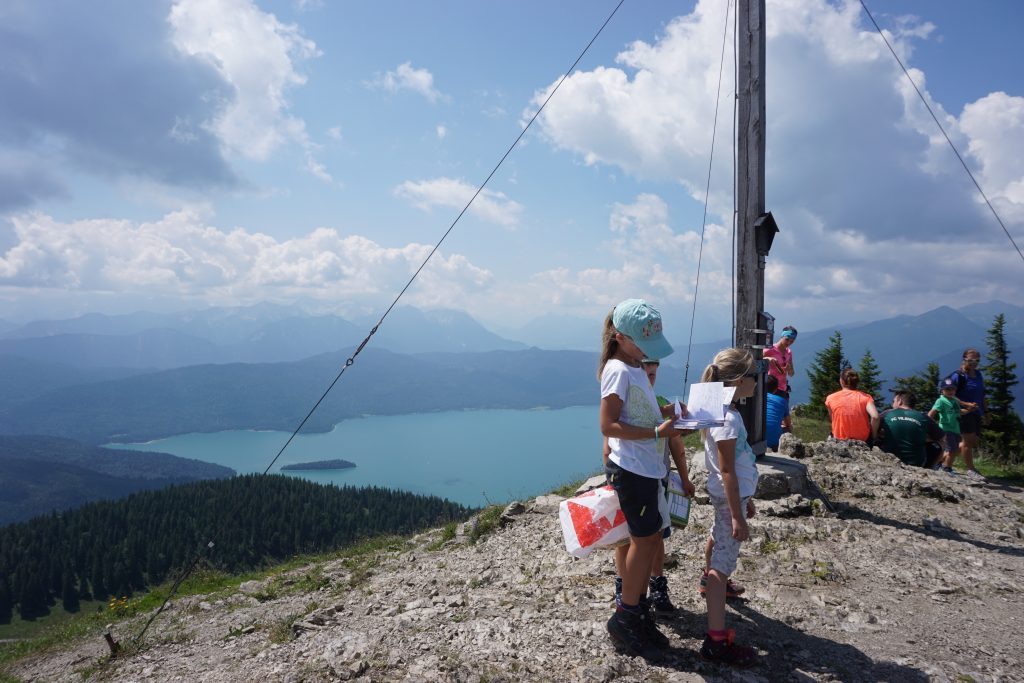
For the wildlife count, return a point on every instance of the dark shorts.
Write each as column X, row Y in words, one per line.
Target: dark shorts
column 970, row 423
column 950, row 442
column 638, row 499
column 933, row 453
column 664, row 492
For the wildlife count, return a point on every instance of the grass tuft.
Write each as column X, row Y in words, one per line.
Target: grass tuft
column 485, row 523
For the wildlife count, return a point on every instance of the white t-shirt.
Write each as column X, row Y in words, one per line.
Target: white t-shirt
column 746, row 464
column 640, row 409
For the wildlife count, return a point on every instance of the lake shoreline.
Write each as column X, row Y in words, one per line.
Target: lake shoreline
column 473, row 457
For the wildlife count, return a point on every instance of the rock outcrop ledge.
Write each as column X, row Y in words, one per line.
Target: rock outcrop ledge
column 885, row 573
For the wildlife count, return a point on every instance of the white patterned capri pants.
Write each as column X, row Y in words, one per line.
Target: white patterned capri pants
column 727, row 549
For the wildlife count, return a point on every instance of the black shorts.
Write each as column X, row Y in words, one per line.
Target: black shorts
column 970, row 423
column 664, row 492
column 638, row 499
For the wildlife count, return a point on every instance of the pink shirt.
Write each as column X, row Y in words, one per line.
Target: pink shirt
column 784, row 359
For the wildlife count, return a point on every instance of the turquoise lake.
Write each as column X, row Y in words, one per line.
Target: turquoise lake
column 471, row 457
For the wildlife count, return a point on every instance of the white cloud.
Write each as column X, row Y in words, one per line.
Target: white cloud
column 334, row 133
column 855, row 164
column 994, row 126
column 182, row 256
column 489, row 205
column 652, row 260
column 442, row 132
column 256, row 54
column 405, row 77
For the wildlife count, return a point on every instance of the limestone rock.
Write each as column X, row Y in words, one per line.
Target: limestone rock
column 546, row 504
column 780, row 476
column 791, row 446
column 594, row 482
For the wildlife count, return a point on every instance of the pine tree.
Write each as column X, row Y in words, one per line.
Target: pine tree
column 6, row 601
column 870, row 384
column 1003, row 428
column 824, row 375
column 924, row 385
column 69, row 594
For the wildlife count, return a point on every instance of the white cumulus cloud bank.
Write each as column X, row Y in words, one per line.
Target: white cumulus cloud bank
column 875, row 211
column 491, row 206
column 256, row 55
column 182, row 256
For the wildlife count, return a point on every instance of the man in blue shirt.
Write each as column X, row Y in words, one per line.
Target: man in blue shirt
column 970, row 390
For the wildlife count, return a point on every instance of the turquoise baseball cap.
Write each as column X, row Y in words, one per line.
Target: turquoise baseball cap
column 641, row 322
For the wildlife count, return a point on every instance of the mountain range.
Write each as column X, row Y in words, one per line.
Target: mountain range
column 56, row 368
column 262, row 333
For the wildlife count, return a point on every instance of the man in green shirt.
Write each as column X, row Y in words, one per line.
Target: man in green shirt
column 906, row 432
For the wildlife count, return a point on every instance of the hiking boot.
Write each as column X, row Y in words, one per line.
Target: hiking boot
column 732, row 590
column 659, row 595
column 654, row 636
column 628, row 633
column 976, row 475
column 727, row 652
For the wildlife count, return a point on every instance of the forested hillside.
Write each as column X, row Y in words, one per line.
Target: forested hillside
column 39, row 474
column 209, row 398
column 23, row 378
column 115, row 548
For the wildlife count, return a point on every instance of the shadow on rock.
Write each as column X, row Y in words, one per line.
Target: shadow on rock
column 791, row 651
column 851, row 511
column 996, row 484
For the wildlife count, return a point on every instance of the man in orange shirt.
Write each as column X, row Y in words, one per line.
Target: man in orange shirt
column 854, row 415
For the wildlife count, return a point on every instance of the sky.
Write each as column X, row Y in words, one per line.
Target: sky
column 180, row 155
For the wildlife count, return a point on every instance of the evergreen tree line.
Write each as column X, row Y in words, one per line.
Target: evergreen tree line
column 1003, row 433
column 115, row 548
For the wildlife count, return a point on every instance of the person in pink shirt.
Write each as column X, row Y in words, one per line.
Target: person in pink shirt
column 780, row 358
column 780, row 366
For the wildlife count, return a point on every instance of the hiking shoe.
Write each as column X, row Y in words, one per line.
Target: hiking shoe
column 659, row 595
column 651, row 632
column 936, row 467
column 950, row 471
column 732, row 590
column 727, row 652
column 628, row 633
column 976, row 475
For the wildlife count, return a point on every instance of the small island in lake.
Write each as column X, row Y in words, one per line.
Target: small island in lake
column 319, row 465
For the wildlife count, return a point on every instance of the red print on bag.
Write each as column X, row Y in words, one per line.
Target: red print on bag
column 589, row 527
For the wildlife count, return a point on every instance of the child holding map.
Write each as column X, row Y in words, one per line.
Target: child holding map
column 732, row 481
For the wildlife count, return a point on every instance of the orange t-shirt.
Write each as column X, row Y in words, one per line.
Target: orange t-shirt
column 850, row 419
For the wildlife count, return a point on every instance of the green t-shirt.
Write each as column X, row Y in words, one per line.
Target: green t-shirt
column 949, row 414
column 905, row 432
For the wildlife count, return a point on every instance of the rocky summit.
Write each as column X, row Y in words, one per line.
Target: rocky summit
column 859, row 569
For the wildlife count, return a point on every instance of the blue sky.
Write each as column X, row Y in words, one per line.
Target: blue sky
column 171, row 155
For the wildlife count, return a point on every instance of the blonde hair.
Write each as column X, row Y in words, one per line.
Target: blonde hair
column 729, row 366
column 608, row 344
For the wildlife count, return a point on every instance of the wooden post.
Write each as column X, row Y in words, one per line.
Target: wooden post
column 750, row 198
column 115, row 647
